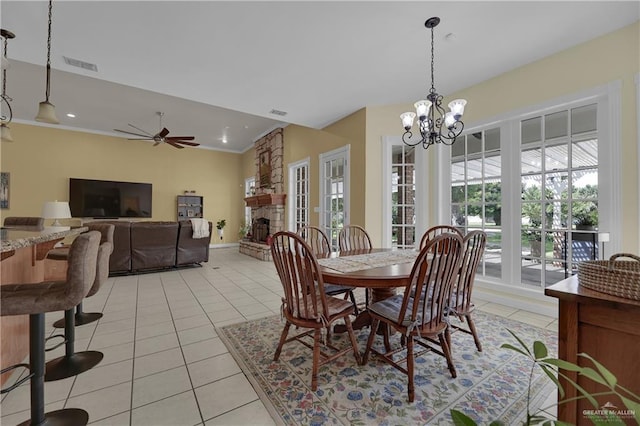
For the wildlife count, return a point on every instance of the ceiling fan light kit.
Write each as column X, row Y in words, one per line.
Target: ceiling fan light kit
column 46, row 110
column 444, row 127
column 161, row 136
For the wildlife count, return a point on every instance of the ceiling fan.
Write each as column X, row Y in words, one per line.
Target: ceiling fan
column 161, row 136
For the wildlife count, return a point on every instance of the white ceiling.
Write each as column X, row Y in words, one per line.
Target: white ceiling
column 218, row 68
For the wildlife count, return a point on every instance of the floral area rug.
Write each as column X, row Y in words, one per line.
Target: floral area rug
column 491, row 384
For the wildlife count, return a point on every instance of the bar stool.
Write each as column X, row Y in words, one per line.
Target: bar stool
column 73, row 363
column 37, row 299
column 61, row 254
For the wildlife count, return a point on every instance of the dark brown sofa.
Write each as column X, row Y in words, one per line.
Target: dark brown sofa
column 144, row 246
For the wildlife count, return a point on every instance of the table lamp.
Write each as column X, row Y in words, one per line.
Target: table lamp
column 603, row 237
column 56, row 210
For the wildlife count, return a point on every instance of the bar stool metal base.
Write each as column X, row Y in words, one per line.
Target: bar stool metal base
column 80, row 318
column 64, row 417
column 68, row 366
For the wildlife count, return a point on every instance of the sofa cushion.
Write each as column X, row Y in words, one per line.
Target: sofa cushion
column 153, row 245
column 191, row 250
column 120, row 259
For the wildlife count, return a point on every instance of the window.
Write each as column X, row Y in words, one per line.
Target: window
column 299, row 193
column 476, row 192
column 559, row 192
column 542, row 185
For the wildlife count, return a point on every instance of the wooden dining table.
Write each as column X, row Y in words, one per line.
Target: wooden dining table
column 394, row 272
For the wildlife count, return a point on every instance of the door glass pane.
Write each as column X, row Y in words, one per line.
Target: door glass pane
column 556, row 157
column 531, row 130
column 584, row 153
column 584, row 119
column 556, row 124
column 531, row 161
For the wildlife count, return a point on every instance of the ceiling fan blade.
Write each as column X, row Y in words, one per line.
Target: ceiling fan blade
column 184, row 138
column 131, row 133
column 173, row 144
column 138, row 128
column 186, row 143
column 164, row 132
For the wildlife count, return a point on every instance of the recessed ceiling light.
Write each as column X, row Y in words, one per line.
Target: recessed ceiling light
column 70, row 115
column 224, row 140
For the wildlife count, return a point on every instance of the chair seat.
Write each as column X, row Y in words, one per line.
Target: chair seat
column 335, row 307
column 26, row 299
column 390, row 310
column 333, row 289
column 60, row 253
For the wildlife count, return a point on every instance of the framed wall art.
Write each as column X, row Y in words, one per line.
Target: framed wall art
column 265, row 168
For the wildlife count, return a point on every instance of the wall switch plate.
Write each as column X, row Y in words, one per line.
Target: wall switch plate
column 316, row 209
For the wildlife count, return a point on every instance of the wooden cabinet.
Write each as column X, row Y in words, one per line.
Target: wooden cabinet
column 606, row 328
column 189, row 206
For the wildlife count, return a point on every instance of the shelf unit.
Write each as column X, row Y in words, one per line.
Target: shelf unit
column 189, row 206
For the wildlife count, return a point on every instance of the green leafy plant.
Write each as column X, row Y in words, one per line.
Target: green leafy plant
column 244, row 229
column 221, row 223
column 598, row 373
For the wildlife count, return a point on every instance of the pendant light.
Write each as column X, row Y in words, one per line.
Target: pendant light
column 46, row 110
column 7, row 112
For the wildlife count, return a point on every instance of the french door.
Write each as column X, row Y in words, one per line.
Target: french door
column 334, row 192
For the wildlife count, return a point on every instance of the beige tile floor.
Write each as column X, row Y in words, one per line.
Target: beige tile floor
column 164, row 363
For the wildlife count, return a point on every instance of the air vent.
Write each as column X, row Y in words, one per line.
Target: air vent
column 80, row 64
column 278, row 112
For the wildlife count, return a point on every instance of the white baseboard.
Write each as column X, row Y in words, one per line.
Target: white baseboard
column 223, row 245
column 521, row 298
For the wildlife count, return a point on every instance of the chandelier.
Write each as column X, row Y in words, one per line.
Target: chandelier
column 435, row 125
column 6, row 113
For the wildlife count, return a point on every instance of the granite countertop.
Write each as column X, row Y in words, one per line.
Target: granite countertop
column 24, row 236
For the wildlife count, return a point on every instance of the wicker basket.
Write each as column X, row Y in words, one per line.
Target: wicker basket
column 616, row 277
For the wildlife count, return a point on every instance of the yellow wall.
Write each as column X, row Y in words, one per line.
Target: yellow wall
column 353, row 129
column 42, row 159
column 615, row 56
column 302, row 142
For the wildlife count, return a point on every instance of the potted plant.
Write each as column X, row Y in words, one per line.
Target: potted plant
column 244, row 230
column 554, row 368
column 220, row 227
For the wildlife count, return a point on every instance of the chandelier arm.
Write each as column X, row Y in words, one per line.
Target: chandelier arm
column 407, row 139
column 6, row 118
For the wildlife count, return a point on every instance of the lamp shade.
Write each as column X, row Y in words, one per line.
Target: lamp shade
column 5, row 133
column 47, row 113
column 56, row 210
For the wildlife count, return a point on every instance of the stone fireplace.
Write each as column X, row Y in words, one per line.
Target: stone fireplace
column 268, row 202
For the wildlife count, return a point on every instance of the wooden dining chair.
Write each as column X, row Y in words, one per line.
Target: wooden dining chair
column 305, row 303
column 319, row 244
column 420, row 319
column 460, row 304
column 354, row 237
column 437, row 230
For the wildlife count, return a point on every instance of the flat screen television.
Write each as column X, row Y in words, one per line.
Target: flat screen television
column 109, row 199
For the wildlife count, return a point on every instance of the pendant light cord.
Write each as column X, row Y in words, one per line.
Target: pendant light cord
column 49, row 53
column 433, row 88
column 4, row 71
column 7, row 116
